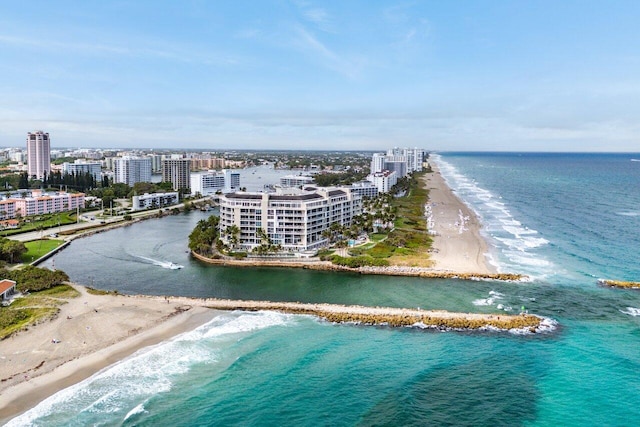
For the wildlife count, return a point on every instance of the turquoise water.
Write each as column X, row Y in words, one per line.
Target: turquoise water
column 564, row 219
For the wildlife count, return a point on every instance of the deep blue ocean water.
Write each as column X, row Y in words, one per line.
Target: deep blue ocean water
column 564, row 219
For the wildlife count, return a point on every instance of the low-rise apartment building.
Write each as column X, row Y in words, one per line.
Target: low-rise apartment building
column 40, row 202
column 154, row 200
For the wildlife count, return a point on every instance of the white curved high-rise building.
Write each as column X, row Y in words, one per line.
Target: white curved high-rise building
column 38, row 154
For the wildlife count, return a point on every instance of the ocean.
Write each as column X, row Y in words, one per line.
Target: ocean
column 563, row 219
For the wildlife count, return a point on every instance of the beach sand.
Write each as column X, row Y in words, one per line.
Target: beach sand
column 458, row 245
column 94, row 331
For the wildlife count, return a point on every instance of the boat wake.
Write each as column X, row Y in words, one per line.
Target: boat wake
column 631, row 311
column 164, row 264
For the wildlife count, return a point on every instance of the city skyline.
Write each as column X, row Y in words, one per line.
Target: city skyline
column 483, row 76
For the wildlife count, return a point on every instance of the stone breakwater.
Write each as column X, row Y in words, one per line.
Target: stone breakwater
column 388, row 316
column 393, row 270
column 619, row 284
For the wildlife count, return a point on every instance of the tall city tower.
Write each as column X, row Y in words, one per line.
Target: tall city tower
column 38, row 154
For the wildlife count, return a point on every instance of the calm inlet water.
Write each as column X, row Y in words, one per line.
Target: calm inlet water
column 566, row 220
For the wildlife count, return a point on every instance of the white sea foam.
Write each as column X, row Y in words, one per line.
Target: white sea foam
column 493, row 296
column 627, row 213
column 149, row 371
column 139, row 409
column 546, row 325
column 631, row 311
column 517, row 242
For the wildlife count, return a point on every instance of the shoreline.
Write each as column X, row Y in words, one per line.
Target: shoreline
column 94, row 332
column 457, row 243
column 392, row 270
column 31, row 380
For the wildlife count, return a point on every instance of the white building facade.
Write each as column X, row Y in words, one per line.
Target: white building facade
column 129, row 170
column 293, row 219
column 80, row 166
column 210, row 182
column 153, row 201
column 295, row 180
column 383, row 180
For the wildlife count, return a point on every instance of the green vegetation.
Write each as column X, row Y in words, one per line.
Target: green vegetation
column 343, row 178
column 408, row 242
column 204, row 236
column 38, row 248
column 33, row 279
column 94, row 291
column 42, row 222
column 358, row 261
column 11, row 250
column 33, row 307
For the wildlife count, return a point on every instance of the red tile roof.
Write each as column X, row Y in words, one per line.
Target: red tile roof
column 5, row 285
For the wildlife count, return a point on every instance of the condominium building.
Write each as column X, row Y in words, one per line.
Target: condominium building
column 383, row 180
column 210, row 182
column 207, row 163
column 295, row 180
column 292, row 218
column 154, row 200
column 415, row 157
column 156, row 162
column 177, row 172
column 38, row 154
column 363, row 189
column 377, row 162
column 80, row 166
column 129, row 170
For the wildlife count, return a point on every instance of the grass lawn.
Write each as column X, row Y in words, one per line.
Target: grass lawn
column 37, row 248
column 43, row 222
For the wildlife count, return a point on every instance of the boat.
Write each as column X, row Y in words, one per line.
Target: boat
column 174, row 266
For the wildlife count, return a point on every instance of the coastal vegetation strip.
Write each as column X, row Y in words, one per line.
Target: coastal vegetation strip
column 408, row 242
column 619, row 284
column 42, row 293
column 34, row 308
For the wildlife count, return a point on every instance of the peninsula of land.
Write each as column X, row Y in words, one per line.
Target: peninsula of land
column 458, row 250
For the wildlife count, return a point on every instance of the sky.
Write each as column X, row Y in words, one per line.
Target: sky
column 340, row 75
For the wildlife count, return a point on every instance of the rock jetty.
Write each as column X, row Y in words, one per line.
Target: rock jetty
column 388, row 316
column 619, row 284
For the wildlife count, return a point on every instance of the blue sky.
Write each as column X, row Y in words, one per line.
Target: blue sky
column 443, row 75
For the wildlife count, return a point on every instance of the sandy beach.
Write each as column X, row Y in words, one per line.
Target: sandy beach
column 458, row 245
column 94, row 331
